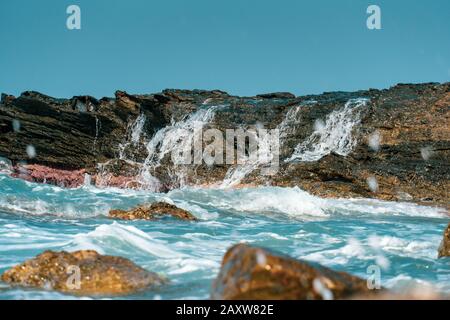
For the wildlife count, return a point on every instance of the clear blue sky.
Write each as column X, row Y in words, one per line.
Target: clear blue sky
column 244, row 47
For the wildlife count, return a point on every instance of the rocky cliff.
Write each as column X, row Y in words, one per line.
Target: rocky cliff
column 391, row 144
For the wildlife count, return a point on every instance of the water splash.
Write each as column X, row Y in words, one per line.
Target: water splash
column 87, row 180
column 286, row 127
column 265, row 156
column 133, row 136
column 335, row 136
column 174, row 139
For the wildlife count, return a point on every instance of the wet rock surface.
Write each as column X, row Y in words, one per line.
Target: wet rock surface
column 154, row 211
column 407, row 160
column 255, row 273
column 444, row 248
column 43, row 174
column 98, row 274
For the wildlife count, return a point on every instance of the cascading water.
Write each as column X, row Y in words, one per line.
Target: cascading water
column 334, row 136
column 266, row 148
column 237, row 173
column 133, row 136
column 174, row 139
column 292, row 120
column 126, row 151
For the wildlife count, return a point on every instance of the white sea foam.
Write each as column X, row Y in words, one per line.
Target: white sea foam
column 150, row 248
column 272, row 235
column 290, row 201
column 123, row 238
column 89, row 201
column 378, row 207
column 295, row 202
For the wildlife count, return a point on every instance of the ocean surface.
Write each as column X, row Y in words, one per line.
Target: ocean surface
column 349, row 235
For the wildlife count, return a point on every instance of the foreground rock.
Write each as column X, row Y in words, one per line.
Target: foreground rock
column 99, row 274
column 444, row 248
column 156, row 210
column 255, row 273
column 399, row 140
column 419, row 293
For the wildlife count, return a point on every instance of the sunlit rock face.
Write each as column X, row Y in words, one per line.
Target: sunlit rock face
column 444, row 248
column 332, row 145
column 82, row 273
column 255, row 273
column 154, row 211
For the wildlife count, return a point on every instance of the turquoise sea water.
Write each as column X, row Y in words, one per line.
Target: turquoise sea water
column 348, row 235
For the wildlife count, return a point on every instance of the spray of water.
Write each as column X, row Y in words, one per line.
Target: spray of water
column 334, row 136
column 175, row 138
column 237, row 173
column 267, row 150
column 133, row 136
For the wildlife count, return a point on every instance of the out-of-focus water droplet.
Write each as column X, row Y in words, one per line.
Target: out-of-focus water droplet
column 374, row 141
column 383, row 262
column 16, row 125
column 261, row 258
column 426, row 153
column 31, row 151
column 372, row 183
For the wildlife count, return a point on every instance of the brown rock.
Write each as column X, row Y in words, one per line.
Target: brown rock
column 99, row 274
column 444, row 248
column 155, row 211
column 256, row 273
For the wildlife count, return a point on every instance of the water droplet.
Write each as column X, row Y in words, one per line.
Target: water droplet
column 31, row 151
column 16, row 125
column 426, row 153
column 261, row 258
column 372, row 183
column 374, row 141
column 383, row 262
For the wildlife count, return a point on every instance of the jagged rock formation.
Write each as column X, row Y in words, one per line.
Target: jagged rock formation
column 251, row 273
column 156, row 210
column 398, row 149
column 444, row 248
column 82, row 273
